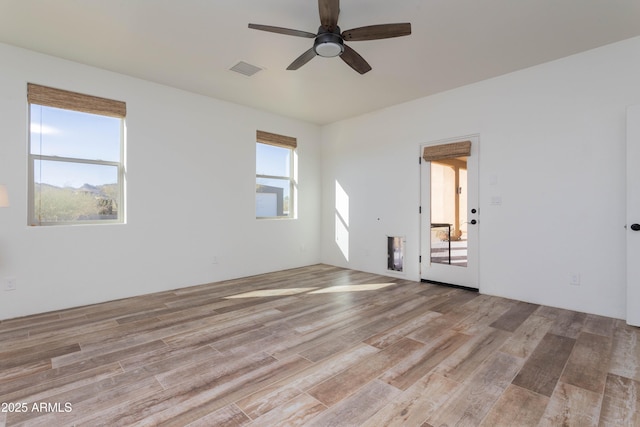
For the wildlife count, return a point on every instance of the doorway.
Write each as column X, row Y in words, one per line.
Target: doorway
column 449, row 219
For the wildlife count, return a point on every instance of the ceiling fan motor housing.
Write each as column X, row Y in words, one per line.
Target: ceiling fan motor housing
column 328, row 44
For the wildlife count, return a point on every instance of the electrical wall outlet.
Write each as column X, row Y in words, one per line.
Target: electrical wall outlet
column 10, row 284
column 574, row 279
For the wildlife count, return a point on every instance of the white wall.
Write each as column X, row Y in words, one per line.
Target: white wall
column 553, row 135
column 190, row 195
column 554, row 138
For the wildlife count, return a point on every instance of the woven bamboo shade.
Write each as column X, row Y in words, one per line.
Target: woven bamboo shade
column 275, row 139
column 447, row 151
column 58, row 98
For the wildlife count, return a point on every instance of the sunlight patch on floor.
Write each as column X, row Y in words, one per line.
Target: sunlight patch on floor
column 352, row 288
column 271, row 293
column 261, row 293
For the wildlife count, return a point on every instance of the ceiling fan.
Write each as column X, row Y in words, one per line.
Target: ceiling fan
column 329, row 41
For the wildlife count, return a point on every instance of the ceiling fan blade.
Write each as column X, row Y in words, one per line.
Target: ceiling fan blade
column 302, row 59
column 329, row 11
column 280, row 30
column 376, row 32
column 354, row 60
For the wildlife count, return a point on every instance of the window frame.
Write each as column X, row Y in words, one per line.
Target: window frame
column 57, row 98
column 286, row 142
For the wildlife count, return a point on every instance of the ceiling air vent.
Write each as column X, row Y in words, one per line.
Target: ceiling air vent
column 245, row 69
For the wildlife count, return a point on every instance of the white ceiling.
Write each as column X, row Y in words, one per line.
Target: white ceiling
column 191, row 44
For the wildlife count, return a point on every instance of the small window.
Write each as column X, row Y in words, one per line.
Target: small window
column 275, row 176
column 76, row 168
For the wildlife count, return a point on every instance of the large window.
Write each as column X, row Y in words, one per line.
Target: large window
column 76, row 158
column 275, row 175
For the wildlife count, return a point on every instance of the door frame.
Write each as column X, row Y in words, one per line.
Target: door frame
column 632, row 216
column 470, row 279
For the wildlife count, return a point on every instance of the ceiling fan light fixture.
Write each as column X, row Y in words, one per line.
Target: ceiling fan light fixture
column 328, row 45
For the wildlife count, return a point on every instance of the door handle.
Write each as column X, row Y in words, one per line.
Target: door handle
column 635, row 227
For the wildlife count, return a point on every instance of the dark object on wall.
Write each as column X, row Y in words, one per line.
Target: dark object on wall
column 395, row 253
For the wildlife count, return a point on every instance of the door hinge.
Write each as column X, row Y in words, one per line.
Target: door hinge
column 420, row 258
column 419, row 209
column 419, row 160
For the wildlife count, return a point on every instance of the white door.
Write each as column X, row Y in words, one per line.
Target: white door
column 450, row 215
column 633, row 215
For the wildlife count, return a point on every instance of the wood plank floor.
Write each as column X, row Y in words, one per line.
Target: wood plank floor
column 319, row 346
